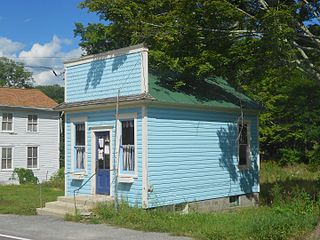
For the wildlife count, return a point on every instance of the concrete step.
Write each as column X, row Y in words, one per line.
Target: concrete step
column 86, row 200
column 51, row 212
column 65, row 205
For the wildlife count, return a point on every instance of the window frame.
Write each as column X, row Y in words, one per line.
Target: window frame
column 38, row 164
column 37, row 123
column 12, row 122
column 126, row 117
column 12, row 154
column 248, row 148
column 76, row 172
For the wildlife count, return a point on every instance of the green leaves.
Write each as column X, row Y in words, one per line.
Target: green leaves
column 14, row 74
column 270, row 49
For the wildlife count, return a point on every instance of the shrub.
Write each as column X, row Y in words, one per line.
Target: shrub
column 57, row 180
column 289, row 156
column 25, row 176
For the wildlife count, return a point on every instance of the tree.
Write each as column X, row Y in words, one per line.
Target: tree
column 56, row 92
column 268, row 48
column 13, row 74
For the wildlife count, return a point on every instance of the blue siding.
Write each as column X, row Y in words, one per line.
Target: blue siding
column 102, row 78
column 128, row 192
column 193, row 156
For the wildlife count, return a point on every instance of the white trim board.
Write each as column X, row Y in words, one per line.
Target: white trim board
column 144, row 157
column 110, row 54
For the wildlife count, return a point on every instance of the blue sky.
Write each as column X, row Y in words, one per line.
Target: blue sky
column 33, row 31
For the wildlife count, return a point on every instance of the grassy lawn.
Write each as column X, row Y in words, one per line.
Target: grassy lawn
column 289, row 209
column 24, row 199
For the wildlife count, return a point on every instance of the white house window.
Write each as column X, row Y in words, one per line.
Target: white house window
column 6, row 158
column 243, row 144
column 80, row 146
column 128, row 146
column 32, row 123
column 6, row 121
column 32, row 158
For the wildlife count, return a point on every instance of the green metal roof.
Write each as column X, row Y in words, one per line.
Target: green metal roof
column 214, row 92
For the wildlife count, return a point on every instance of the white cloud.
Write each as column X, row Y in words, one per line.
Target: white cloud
column 9, row 48
column 41, row 59
column 48, row 55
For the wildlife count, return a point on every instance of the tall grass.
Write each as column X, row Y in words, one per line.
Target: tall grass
column 289, row 209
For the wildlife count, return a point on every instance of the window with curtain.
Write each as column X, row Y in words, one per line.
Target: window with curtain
column 80, row 146
column 128, row 147
column 32, row 158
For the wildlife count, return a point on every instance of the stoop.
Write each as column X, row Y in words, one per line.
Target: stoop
column 65, row 205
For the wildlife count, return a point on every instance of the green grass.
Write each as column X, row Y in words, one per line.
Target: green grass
column 24, row 199
column 289, row 209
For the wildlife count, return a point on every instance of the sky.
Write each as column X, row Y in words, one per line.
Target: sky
column 40, row 33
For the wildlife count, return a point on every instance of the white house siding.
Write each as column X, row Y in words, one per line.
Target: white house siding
column 47, row 140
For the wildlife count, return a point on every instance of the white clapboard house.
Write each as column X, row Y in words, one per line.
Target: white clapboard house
column 29, row 133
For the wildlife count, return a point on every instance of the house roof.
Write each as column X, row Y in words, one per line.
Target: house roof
column 103, row 101
column 26, row 98
column 214, row 92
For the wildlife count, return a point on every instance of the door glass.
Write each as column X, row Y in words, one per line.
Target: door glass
column 103, row 150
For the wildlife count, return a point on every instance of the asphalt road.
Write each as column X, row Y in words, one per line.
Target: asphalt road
column 14, row 227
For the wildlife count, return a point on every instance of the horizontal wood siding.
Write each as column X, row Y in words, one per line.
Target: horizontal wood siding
column 127, row 192
column 192, row 156
column 47, row 140
column 102, row 78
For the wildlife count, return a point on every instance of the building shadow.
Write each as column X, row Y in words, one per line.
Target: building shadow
column 248, row 177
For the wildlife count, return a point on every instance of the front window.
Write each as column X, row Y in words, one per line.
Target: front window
column 80, row 146
column 6, row 158
column 6, row 121
column 32, row 123
column 32, row 161
column 243, row 144
column 128, row 146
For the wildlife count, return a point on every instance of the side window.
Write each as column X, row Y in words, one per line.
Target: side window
column 7, row 121
column 243, row 144
column 80, row 146
column 32, row 125
column 32, row 157
column 127, row 146
column 6, row 158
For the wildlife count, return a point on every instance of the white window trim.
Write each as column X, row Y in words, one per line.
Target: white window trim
column 7, row 131
column 249, row 154
column 75, row 173
column 123, row 177
column 38, row 157
column 28, row 122
column 12, row 158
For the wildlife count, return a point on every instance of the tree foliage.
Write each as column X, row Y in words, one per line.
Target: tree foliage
column 13, row 74
column 56, row 92
column 268, row 48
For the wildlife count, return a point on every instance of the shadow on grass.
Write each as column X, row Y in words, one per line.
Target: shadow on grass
column 287, row 186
